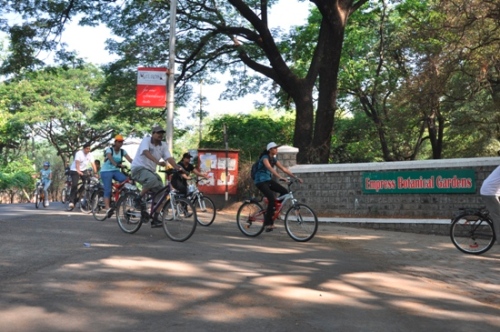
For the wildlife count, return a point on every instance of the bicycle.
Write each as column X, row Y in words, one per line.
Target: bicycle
column 205, row 206
column 99, row 208
column 178, row 215
column 66, row 191
column 471, row 230
column 39, row 194
column 300, row 220
column 89, row 185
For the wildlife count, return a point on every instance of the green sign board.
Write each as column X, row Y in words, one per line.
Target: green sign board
column 448, row 181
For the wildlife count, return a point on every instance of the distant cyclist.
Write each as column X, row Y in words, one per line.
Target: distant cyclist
column 152, row 152
column 46, row 178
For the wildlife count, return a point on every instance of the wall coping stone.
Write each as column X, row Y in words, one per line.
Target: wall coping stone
column 398, row 165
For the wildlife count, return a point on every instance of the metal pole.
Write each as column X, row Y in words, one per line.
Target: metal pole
column 169, row 137
column 201, row 110
column 227, row 162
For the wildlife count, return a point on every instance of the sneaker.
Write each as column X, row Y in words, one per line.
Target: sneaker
column 71, row 206
column 156, row 222
column 46, row 203
column 270, row 228
column 109, row 212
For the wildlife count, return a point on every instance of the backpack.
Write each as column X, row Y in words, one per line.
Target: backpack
column 255, row 168
column 105, row 154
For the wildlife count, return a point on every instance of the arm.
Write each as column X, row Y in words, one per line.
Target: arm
column 128, row 158
column 287, row 171
column 111, row 159
column 77, row 165
column 148, row 155
column 200, row 174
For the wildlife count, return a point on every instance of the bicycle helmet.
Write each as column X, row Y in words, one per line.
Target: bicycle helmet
column 46, row 164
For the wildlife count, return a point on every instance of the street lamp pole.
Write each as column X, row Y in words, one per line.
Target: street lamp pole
column 201, row 110
column 171, row 78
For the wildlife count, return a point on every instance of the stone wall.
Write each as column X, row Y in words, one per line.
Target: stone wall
column 336, row 190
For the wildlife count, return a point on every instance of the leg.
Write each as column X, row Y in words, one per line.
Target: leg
column 493, row 206
column 264, row 187
column 107, row 179
column 74, row 187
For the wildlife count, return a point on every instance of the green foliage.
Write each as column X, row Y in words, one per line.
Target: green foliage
column 17, row 176
column 249, row 133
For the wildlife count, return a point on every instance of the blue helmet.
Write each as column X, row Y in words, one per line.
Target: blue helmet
column 46, row 164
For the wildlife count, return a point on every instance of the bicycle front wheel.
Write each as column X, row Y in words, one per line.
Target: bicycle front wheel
column 98, row 207
column 472, row 234
column 179, row 219
column 205, row 210
column 37, row 199
column 128, row 217
column 301, row 222
column 250, row 218
column 85, row 203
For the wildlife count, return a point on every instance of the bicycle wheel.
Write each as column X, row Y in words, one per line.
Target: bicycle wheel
column 250, row 218
column 472, row 234
column 128, row 217
column 37, row 198
column 180, row 223
column 85, row 203
column 98, row 207
column 301, row 222
column 205, row 210
column 63, row 195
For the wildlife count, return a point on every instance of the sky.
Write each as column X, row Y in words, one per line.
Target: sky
column 89, row 43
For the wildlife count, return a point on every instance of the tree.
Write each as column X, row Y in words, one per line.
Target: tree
column 58, row 105
column 220, row 35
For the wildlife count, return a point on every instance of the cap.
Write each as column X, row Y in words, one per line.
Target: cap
column 46, row 164
column 187, row 155
column 119, row 138
column 158, row 129
column 272, row 145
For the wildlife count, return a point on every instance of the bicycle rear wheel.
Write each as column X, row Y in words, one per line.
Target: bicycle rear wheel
column 179, row 224
column 98, row 207
column 205, row 210
column 472, row 234
column 128, row 217
column 301, row 222
column 250, row 218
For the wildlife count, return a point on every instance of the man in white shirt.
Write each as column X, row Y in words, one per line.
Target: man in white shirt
column 152, row 152
column 490, row 191
column 83, row 159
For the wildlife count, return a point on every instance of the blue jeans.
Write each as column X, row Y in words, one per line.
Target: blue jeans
column 46, row 184
column 107, row 178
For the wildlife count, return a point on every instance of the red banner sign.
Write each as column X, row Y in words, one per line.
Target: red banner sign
column 151, row 87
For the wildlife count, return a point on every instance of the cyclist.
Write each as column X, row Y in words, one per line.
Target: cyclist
column 490, row 192
column 143, row 168
column 111, row 170
column 179, row 180
column 46, row 179
column 82, row 159
column 264, row 182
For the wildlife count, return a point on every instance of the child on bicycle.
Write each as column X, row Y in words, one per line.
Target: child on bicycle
column 46, row 179
column 265, row 183
column 179, row 180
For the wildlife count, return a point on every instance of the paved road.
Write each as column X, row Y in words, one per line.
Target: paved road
column 345, row 279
